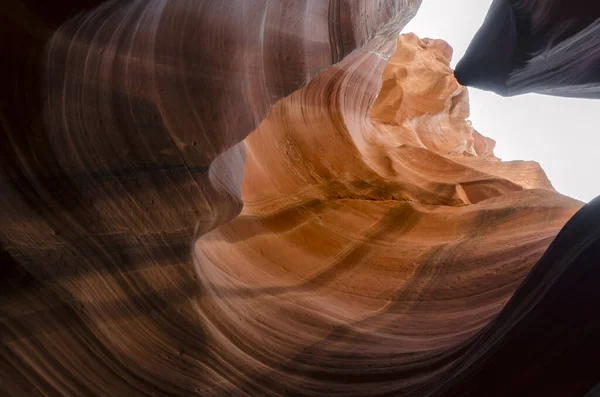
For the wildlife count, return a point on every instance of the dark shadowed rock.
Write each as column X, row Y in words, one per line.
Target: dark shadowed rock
column 543, row 46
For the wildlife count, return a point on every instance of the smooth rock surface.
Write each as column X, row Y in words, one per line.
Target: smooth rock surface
column 543, row 46
column 121, row 123
column 380, row 238
column 379, row 235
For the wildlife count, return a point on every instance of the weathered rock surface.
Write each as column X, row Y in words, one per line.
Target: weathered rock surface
column 380, row 238
column 379, row 234
column 119, row 141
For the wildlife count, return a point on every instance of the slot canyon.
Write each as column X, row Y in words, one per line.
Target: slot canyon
column 287, row 198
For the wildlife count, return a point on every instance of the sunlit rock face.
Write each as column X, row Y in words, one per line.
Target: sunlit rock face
column 379, row 234
column 543, row 46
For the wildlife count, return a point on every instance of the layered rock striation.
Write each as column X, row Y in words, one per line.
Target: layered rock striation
column 120, row 131
column 382, row 248
column 379, row 235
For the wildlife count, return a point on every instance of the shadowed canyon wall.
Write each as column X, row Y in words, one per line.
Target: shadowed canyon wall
column 544, row 46
column 120, row 130
column 382, row 248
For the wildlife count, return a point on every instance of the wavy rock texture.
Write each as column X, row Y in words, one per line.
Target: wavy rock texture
column 120, row 130
column 544, row 46
column 379, row 238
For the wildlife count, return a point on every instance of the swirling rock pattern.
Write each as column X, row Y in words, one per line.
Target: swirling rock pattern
column 544, row 46
column 121, row 123
column 380, row 238
column 379, row 235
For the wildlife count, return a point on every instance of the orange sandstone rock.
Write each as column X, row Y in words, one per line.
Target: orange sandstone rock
column 379, row 232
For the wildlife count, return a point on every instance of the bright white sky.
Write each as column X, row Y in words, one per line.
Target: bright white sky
column 559, row 133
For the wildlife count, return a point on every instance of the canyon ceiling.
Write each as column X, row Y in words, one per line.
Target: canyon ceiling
column 286, row 198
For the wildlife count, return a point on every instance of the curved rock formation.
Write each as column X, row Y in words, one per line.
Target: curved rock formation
column 379, row 235
column 380, row 239
column 119, row 140
column 544, row 46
